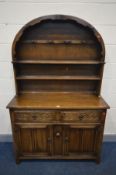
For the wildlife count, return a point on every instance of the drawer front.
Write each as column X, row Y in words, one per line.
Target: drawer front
column 80, row 116
column 83, row 116
column 39, row 116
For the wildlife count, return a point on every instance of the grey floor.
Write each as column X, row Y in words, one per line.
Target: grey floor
column 57, row 167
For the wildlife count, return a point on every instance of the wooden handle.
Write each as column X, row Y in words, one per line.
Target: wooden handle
column 81, row 117
column 34, row 117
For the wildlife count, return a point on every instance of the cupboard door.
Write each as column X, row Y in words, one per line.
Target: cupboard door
column 82, row 140
column 34, row 140
column 57, row 140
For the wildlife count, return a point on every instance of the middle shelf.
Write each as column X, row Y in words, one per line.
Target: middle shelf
column 56, row 77
column 47, row 61
column 57, row 72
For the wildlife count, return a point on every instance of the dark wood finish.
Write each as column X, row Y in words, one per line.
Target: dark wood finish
column 58, row 111
column 54, row 116
column 57, row 100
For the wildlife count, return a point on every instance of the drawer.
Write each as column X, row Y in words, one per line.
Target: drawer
column 83, row 116
column 39, row 116
column 60, row 116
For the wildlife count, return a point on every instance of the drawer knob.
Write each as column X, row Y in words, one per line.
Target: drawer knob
column 34, row 117
column 81, row 117
column 58, row 134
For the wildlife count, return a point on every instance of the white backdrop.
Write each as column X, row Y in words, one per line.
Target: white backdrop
column 15, row 13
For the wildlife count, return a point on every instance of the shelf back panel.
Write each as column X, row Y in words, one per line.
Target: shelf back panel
column 57, row 29
column 57, row 86
column 55, row 69
column 31, row 51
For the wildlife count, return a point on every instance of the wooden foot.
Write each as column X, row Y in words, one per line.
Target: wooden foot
column 98, row 160
column 18, row 161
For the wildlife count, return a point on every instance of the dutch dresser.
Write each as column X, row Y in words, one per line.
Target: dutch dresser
column 58, row 111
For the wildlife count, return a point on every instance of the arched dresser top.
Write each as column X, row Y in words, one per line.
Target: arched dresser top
column 52, row 25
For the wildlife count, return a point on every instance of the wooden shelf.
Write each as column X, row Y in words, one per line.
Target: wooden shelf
column 58, row 62
column 41, row 41
column 56, row 77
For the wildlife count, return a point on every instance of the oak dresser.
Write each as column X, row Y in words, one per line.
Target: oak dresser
column 58, row 111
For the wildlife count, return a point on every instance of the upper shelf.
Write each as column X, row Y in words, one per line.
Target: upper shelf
column 58, row 62
column 59, row 41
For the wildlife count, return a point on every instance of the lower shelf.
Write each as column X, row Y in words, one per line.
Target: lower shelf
column 77, row 157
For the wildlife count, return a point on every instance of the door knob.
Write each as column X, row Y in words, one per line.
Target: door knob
column 57, row 134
